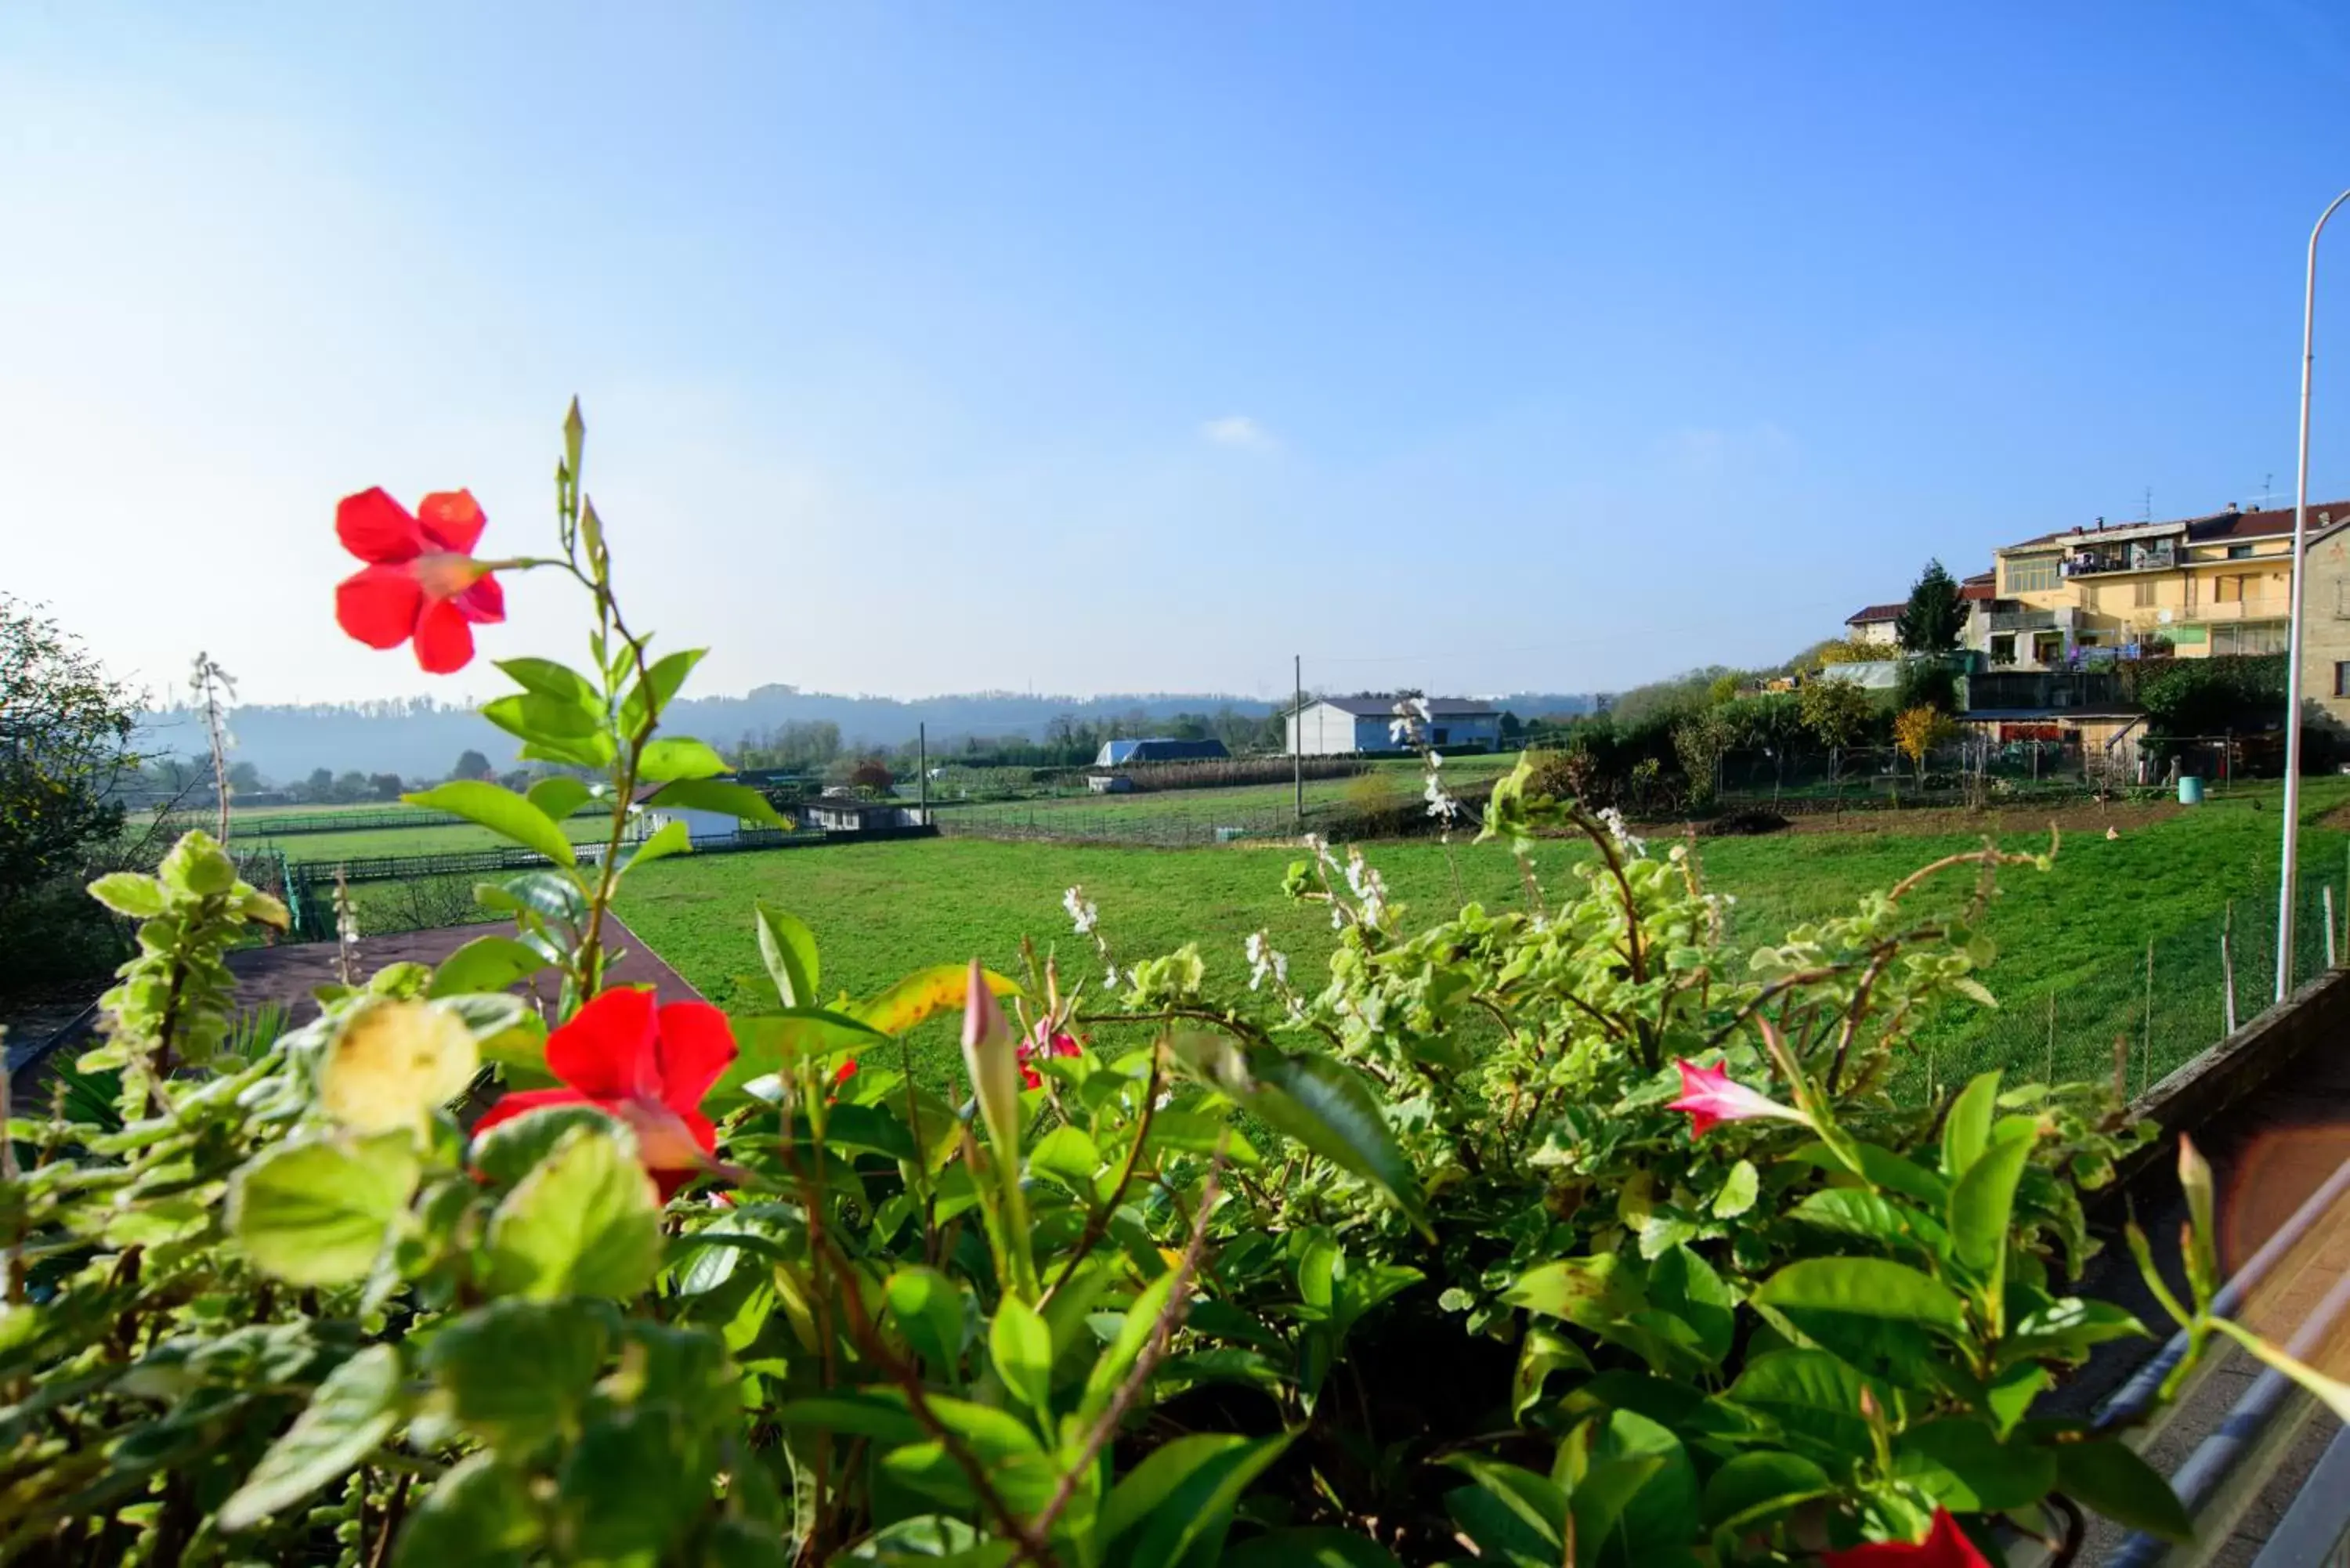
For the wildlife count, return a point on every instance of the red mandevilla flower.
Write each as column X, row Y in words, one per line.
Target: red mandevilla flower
column 421, row 580
column 1038, row 1045
column 1710, row 1096
column 647, row 1067
column 1945, row 1546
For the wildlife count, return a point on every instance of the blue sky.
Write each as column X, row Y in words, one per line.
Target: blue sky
column 931, row 348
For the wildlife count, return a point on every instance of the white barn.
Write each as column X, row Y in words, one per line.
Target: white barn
column 1342, row 726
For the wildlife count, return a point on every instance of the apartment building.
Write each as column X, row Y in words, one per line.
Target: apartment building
column 2193, row 586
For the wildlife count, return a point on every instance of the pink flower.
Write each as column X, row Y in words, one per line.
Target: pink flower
column 1945, row 1546
column 421, row 580
column 1040, row 1045
column 1708, row 1095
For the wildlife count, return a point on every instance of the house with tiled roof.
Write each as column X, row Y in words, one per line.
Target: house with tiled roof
column 1368, row 721
column 1873, row 624
column 2192, row 587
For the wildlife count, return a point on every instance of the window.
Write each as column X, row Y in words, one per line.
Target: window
column 2240, row 552
column 1443, row 737
column 2342, row 678
column 2031, row 574
column 2047, row 647
column 2002, row 648
column 2143, row 591
column 2249, row 637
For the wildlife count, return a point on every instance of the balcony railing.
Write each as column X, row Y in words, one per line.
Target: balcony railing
column 2023, row 620
column 2260, row 607
column 2134, row 560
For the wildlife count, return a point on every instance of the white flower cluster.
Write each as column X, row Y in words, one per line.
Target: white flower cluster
column 1613, row 820
column 1371, row 889
column 1265, row 960
column 1081, row 911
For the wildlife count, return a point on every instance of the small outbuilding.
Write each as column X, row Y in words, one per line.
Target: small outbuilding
column 1159, row 748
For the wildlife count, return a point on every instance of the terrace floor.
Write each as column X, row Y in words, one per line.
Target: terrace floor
column 287, row 974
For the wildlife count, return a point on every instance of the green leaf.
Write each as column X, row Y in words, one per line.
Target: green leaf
column 1751, row 1488
column 1324, row 1105
column 1863, row 1287
column 1198, row 1132
column 679, row 758
column 928, row 1307
column 1870, row 1216
column 353, row 1410
column 546, row 678
column 1812, row 1396
column 130, row 893
column 1960, row 1463
column 2334, row 1396
column 1022, row 1348
column 923, row 996
column 1067, row 1156
column 1652, row 1528
column 1545, row 1351
column 583, row 1222
column 664, row 677
column 1685, row 1285
column 618, row 1485
column 542, row 720
column 1883, row 1168
column 479, row 1515
column 1981, row 1203
column 516, row 1372
column 510, row 1150
column 501, row 811
column 1112, row 1365
column 739, row 800
column 1176, row 1506
column 319, row 1213
column 879, row 1414
column 1316, row 1547
column 557, row 797
column 788, row 948
column 485, row 964
column 1967, row 1129
column 1535, row 1501
column 779, row 1042
column 1739, row 1190
column 1590, row 1292
column 2111, row 1478
column 672, row 837
column 2066, row 1328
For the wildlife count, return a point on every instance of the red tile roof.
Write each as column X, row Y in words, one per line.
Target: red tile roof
column 1874, row 613
column 2215, row 525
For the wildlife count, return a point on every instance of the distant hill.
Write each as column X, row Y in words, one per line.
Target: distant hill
column 422, row 739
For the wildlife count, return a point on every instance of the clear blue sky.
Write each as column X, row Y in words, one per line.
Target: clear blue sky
column 933, row 347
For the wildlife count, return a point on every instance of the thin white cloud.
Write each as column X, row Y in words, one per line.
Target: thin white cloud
column 1239, row 431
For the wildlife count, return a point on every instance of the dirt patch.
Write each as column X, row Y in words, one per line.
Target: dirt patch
column 1743, row 823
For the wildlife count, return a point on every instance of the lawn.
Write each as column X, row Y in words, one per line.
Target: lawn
column 2078, row 933
column 448, row 839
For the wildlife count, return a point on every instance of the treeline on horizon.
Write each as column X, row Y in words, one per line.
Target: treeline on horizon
column 420, row 738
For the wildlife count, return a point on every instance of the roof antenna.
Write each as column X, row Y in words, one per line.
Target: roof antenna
column 2267, row 492
column 2147, row 515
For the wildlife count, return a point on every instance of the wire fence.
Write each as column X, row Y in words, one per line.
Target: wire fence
column 2001, row 764
column 276, row 824
column 1156, row 827
column 2137, row 1017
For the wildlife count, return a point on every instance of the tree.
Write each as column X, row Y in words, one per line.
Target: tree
column 66, row 727
column 244, row 778
column 471, row 765
column 1917, row 730
column 353, row 785
column 384, row 786
column 1931, row 622
column 1836, row 712
column 319, row 786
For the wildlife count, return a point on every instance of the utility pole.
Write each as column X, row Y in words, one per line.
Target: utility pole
column 2285, row 872
column 922, row 768
column 1297, row 733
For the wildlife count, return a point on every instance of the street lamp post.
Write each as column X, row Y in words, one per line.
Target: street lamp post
column 2287, row 873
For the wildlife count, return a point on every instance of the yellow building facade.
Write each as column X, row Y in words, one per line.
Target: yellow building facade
column 2192, row 587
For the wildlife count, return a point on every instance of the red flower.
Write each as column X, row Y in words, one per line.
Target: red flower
column 1035, row 1045
column 1708, row 1095
column 847, row 1071
column 647, row 1069
column 1945, row 1546
column 421, row 580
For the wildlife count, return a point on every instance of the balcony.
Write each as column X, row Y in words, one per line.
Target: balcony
column 2133, row 558
column 2260, row 607
column 2023, row 620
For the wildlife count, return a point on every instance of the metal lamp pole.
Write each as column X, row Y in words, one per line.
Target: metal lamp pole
column 2288, row 875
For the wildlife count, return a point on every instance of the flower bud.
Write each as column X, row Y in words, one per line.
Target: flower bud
column 989, row 1056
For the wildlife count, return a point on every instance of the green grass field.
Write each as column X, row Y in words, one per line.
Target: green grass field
column 304, row 848
column 2078, row 932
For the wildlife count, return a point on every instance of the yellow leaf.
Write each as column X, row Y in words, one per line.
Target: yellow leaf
column 394, row 1062
column 923, row 995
